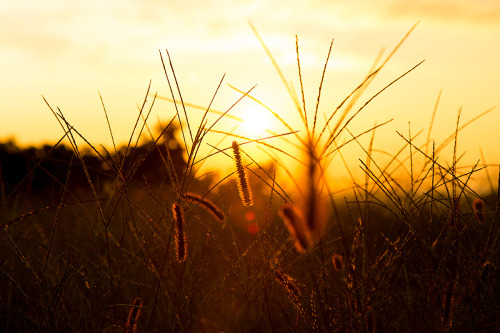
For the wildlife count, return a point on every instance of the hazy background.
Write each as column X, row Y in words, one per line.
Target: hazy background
column 70, row 50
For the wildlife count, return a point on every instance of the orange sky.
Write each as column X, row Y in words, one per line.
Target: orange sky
column 68, row 51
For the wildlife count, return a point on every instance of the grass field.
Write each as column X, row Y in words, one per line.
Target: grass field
column 138, row 239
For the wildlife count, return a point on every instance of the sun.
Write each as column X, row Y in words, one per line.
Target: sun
column 255, row 121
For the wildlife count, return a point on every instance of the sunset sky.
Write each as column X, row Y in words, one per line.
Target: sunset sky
column 68, row 51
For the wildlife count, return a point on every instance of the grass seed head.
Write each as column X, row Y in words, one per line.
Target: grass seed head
column 243, row 184
column 313, row 205
column 207, row 204
column 296, row 225
column 293, row 290
column 338, row 263
column 133, row 315
column 180, row 233
column 287, row 282
column 477, row 206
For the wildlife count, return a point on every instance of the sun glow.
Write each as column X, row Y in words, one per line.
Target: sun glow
column 255, row 121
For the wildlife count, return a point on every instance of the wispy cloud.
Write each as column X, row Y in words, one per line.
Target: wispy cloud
column 480, row 12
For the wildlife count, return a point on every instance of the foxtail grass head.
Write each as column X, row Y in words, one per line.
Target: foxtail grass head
column 287, row 282
column 206, row 204
column 477, row 207
column 338, row 262
column 292, row 289
column 180, row 232
column 133, row 316
column 297, row 227
column 243, row 184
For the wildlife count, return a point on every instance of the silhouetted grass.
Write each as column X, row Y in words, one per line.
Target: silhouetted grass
column 133, row 239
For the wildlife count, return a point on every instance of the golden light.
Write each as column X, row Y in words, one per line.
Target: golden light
column 255, row 121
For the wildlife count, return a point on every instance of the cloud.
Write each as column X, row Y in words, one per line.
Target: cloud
column 479, row 12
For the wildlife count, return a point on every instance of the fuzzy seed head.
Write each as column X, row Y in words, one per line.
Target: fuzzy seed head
column 180, row 233
column 207, row 204
column 338, row 263
column 477, row 206
column 289, row 285
column 133, row 315
column 243, row 184
column 314, row 315
column 297, row 227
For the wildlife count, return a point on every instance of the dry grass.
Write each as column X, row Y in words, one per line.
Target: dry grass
column 413, row 253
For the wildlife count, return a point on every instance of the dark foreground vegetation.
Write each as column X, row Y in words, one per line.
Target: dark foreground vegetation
column 133, row 239
column 72, row 261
